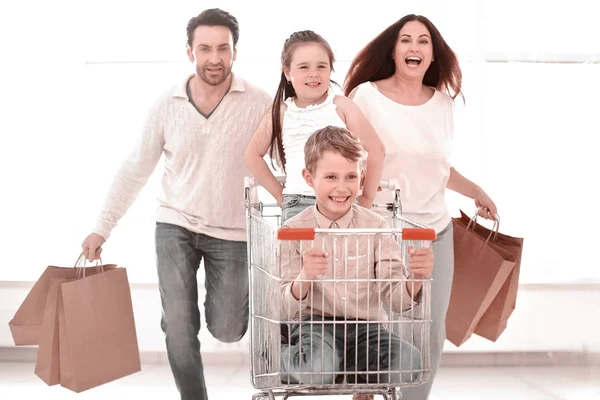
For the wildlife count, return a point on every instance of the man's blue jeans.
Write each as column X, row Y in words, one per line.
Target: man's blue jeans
column 178, row 255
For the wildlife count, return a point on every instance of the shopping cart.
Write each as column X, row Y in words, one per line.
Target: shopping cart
column 298, row 352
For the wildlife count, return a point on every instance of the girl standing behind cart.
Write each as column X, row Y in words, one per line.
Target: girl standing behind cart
column 304, row 103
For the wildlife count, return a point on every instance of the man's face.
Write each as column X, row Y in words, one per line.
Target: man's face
column 213, row 52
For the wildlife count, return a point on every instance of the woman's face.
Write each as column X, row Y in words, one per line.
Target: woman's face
column 413, row 53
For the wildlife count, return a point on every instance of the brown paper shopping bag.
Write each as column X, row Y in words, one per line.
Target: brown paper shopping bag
column 480, row 270
column 495, row 319
column 26, row 324
column 97, row 336
column 47, row 362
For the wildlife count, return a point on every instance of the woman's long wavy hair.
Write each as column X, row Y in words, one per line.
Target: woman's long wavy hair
column 375, row 61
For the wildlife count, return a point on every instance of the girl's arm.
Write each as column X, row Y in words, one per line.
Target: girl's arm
column 257, row 148
column 359, row 125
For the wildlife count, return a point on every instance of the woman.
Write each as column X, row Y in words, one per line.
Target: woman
column 405, row 82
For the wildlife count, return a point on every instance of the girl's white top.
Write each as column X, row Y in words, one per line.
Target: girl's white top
column 298, row 125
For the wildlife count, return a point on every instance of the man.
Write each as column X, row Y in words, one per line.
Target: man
column 203, row 127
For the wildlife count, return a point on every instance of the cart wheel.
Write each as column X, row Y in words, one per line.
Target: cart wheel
column 393, row 394
column 260, row 396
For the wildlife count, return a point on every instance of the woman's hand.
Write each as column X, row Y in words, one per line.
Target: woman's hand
column 485, row 206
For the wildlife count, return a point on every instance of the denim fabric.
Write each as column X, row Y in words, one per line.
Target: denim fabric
column 321, row 354
column 294, row 204
column 441, row 285
column 178, row 255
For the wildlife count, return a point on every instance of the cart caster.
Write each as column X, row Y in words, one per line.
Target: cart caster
column 394, row 394
column 263, row 396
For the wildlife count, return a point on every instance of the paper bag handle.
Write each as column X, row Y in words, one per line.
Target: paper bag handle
column 81, row 260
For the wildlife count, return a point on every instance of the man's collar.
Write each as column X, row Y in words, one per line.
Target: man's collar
column 237, row 85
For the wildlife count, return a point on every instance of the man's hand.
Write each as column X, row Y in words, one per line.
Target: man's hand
column 92, row 246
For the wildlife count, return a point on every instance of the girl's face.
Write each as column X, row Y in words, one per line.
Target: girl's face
column 310, row 73
column 413, row 53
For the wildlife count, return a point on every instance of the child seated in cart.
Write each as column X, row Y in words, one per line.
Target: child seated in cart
column 333, row 292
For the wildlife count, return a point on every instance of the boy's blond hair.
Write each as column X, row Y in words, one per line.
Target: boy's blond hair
column 332, row 138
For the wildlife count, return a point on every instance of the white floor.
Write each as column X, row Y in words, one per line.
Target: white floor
column 17, row 381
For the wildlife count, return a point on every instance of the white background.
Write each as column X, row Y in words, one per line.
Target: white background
column 77, row 80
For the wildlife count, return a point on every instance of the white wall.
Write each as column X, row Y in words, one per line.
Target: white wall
column 76, row 89
column 78, row 77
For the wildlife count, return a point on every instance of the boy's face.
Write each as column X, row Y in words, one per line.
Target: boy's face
column 336, row 181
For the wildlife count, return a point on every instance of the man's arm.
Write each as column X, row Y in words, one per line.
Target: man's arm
column 134, row 172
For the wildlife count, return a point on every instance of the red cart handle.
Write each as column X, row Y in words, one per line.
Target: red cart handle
column 309, row 233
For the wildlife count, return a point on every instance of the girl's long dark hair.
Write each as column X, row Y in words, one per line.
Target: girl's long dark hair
column 286, row 90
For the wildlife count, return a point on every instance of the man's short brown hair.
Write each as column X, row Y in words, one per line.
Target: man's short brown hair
column 332, row 138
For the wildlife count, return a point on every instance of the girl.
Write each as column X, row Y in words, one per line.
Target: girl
column 303, row 104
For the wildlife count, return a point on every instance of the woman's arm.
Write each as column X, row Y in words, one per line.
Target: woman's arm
column 460, row 184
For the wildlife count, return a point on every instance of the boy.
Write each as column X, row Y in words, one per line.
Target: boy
column 327, row 283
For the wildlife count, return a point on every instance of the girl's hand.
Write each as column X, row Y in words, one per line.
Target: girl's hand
column 364, row 201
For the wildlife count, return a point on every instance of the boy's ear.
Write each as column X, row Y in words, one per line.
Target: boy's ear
column 308, row 178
